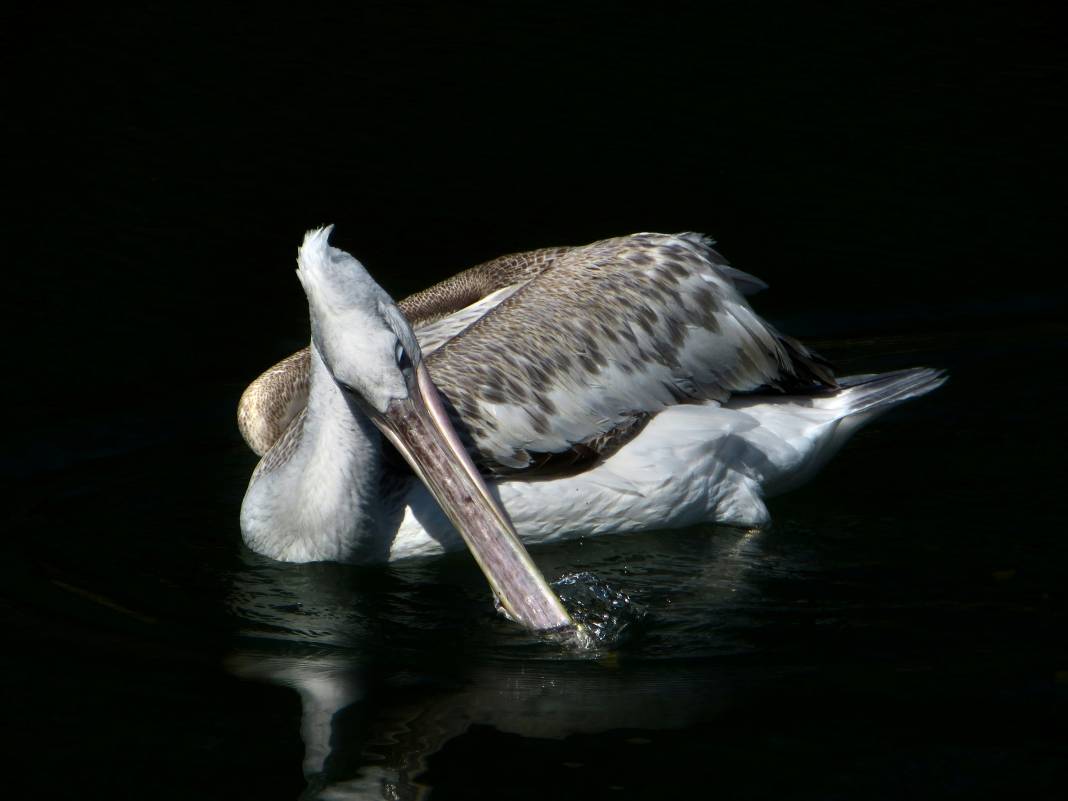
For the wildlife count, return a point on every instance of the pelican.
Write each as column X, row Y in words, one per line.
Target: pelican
column 618, row 386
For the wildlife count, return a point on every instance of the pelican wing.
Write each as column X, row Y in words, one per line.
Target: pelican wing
column 573, row 362
column 447, row 309
column 475, row 284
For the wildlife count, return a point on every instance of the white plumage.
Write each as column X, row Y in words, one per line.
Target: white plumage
column 692, row 464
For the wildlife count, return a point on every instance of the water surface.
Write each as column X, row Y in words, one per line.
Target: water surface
column 896, row 631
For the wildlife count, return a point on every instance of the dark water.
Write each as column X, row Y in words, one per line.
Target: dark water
column 899, row 632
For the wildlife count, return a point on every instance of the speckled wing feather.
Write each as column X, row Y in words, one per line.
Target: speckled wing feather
column 477, row 283
column 606, row 336
column 273, row 401
column 446, row 309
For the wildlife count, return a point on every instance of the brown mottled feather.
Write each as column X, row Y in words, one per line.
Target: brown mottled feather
column 473, row 284
column 272, row 401
column 617, row 328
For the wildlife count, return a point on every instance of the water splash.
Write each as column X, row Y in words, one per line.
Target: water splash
column 605, row 616
column 608, row 614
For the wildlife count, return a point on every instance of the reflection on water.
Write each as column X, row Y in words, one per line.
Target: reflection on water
column 386, row 751
column 379, row 697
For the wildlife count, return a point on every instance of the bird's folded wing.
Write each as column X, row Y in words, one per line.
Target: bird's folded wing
column 605, row 335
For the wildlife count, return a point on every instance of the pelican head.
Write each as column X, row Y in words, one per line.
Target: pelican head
column 372, row 354
column 364, row 339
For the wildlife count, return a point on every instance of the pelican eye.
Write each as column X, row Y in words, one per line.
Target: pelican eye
column 404, row 362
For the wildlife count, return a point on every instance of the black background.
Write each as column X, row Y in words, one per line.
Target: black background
column 884, row 167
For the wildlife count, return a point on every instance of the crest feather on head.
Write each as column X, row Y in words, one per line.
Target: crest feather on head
column 332, row 279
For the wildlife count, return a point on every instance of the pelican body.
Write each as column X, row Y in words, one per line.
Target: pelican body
column 618, row 386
